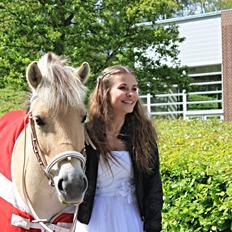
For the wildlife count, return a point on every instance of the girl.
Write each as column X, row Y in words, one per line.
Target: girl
column 125, row 190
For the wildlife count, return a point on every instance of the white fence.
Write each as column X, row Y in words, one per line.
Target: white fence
column 180, row 104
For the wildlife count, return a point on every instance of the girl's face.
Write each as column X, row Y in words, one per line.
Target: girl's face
column 123, row 93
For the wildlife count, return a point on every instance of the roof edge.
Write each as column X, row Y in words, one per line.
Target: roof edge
column 190, row 18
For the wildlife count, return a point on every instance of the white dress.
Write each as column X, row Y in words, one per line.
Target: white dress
column 115, row 207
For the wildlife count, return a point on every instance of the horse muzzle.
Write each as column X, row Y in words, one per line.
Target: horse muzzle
column 67, row 173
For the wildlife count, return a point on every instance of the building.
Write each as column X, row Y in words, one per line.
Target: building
column 207, row 51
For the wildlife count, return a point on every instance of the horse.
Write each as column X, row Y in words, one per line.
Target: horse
column 43, row 177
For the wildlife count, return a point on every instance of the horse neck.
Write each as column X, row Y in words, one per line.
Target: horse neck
column 42, row 196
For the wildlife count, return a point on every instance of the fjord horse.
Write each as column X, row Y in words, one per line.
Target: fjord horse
column 42, row 178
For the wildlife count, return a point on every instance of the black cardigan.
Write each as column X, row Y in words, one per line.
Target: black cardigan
column 148, row 190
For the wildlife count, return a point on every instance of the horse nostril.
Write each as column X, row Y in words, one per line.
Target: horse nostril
column 60, row 185
column 71, row 186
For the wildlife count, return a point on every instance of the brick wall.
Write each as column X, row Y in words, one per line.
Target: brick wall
column 227, row 63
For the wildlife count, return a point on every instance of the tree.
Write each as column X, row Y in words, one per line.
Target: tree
column 103, row 33
column 192, row 7
column 225, row 4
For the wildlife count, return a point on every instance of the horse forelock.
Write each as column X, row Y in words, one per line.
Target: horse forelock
column 60, row 88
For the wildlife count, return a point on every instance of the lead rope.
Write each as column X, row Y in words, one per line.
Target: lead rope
column 88, row 140
column 74, row 219
column 28, row 202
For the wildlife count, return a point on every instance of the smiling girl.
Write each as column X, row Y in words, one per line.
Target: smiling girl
column 125, row 190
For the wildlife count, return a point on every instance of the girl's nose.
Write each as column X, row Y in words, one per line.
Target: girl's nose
column 129, row 93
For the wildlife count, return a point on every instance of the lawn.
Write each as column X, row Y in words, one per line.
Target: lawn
column 12, row 99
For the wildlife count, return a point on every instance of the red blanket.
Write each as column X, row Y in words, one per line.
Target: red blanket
column 11, row 125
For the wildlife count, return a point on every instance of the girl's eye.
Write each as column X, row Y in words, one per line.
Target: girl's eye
column 122, row 87
column 135, row 89
column 39, row 121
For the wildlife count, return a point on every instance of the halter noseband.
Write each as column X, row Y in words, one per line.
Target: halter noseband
column 46, row 167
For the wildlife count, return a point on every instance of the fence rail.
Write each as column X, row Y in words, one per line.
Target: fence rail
column 179, row 104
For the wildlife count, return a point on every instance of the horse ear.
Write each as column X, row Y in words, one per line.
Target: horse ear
column 34, row 75
column 50, row 56
column 83, row 72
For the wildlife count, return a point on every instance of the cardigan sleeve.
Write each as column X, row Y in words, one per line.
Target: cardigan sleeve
column 153, row 196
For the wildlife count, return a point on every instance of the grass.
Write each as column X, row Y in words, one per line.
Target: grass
column 12, row 99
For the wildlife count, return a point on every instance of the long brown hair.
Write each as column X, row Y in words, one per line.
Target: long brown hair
column 137, row 130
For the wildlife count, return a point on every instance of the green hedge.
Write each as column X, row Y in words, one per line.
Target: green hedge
column 196, row 166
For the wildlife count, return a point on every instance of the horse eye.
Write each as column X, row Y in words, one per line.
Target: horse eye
column 39, row 121
column 84, row 118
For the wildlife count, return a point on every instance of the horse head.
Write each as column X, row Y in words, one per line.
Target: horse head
column 53, row 141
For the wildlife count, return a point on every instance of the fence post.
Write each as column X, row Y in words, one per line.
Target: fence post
column 184, row 104
column 149, row 104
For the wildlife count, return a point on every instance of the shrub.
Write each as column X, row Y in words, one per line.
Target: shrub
column 203, row 106
column 196, row 161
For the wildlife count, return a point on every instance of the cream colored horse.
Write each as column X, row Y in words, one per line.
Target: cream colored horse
column 56, row 117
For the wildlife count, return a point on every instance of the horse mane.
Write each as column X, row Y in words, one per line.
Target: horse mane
column 60, row 87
